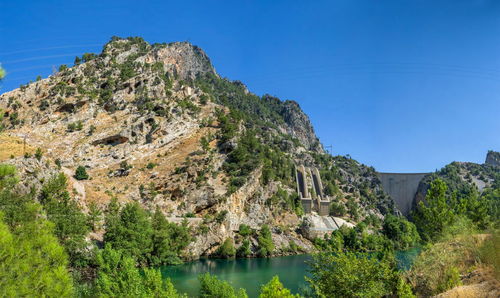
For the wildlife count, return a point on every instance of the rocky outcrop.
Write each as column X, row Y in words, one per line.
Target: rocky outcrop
column 493, row 158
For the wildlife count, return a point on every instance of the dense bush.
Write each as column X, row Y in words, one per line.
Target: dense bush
column 151, row 241
column 244, row 230
column 81, row 173
column 266, row 244
column 227, row 250
column 402, row 232
column 244, row 250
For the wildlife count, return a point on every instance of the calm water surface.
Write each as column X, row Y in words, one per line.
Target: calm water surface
column 251, row 274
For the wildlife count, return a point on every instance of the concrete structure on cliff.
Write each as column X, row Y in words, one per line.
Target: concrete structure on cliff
column 310, row 190
column 402, row 188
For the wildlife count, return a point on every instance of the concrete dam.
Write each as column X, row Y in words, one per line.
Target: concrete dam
column 402, row 188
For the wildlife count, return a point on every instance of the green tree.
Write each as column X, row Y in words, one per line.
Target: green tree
column 227, row 250
column 211, row 286
column 169, row 240
column 402, row 232
column 38, row 153
column 351, row 275
column 63, row 67
column 117, row 275
column 33, row 264
column 265, row 240
column 244, row 250
column 131, row 232
column 433, row 215
column 81, row 173
column 156, row 286
column 70, row 223
column 275, row 289
column 94, row 216
column 244, row 230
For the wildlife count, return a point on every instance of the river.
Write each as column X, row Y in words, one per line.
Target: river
column 251, row 274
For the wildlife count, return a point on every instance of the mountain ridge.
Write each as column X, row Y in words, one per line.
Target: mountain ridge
column 157, row 125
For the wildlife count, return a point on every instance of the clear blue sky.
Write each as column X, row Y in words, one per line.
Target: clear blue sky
column 401, row 85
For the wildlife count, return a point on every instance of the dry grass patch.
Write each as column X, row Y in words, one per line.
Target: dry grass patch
column 11, row 146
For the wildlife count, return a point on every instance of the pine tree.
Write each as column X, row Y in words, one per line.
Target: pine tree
column 433, row 215
column 275, row 289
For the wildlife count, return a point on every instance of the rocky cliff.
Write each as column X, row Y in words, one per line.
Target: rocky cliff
column 156, row 124
column 493, row 158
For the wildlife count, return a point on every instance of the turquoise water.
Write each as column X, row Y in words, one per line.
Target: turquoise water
column 251, row 274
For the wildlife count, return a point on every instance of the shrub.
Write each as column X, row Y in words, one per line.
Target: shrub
column 211, row 286
column 221, row 216
column 81, row 173
column 244, row 230
column 402, row 232
column 265, row 240
column 227, row 250
column 78, row 125
column 438, row 266
column 244, row 250
column 337, row 209
column 63, row 67
column 38, row 153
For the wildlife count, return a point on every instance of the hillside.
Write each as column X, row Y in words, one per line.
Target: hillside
column 465, row 179
column 157, row 125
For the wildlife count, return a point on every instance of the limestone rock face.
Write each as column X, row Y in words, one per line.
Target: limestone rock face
column 299, row 126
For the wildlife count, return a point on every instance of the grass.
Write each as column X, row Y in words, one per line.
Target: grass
column 489, row 252
column 12, row 147
column 442, row 265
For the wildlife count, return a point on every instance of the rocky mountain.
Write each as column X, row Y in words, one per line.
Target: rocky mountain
column 156, row 124
column 462, row 178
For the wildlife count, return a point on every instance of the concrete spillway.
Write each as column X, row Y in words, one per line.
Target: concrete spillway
column 402, row 188
column 310, row 190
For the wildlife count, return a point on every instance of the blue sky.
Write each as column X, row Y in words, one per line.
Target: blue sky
column 404, row 86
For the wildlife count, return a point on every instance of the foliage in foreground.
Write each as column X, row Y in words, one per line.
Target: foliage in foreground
column 275, row 289
column 150, row 240
column 119, row 277
column 32, row 261
column 439, row 267
column 351, row 275
column 211, row 286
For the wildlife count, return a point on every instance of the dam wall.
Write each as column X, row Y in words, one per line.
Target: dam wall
column 402, row 188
